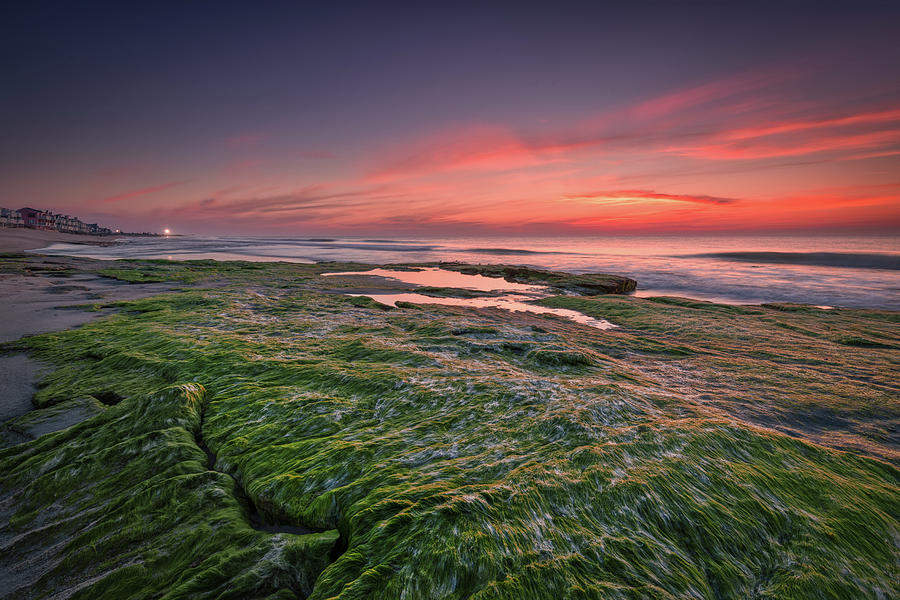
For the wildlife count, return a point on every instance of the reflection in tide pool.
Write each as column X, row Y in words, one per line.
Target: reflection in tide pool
column 437, row 277
column 513, row 302
column 508, row 302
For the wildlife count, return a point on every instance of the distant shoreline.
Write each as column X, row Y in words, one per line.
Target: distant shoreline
column 19, row 239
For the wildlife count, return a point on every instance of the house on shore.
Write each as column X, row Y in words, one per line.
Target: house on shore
column 34, row 218
column 10, row 218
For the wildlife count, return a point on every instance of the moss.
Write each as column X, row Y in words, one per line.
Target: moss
column 448, row 452
column 445, row 292
column 862, row 342
column 560, row 358
column 366, row 302
column 123, row 502
column 584, row 284
column 132, row 275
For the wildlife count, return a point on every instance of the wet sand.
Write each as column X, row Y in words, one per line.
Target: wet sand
column 17, row 376
column 17, row 239
column 35, row 303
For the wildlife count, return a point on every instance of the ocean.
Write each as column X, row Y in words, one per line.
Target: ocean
column 831, row 271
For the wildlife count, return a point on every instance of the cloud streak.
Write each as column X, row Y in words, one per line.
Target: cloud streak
column 736, row 119
column 141, row 192
column 638, row 195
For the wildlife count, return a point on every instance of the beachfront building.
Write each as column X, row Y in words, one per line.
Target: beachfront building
column 65, row 223
column 34, row 218
column 95, row 229
column 10, row 218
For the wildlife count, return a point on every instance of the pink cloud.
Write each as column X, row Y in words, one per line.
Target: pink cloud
column 651, row 195
column 141, row 192
column 699, row 95
column 319, row 203
column 864, row 118
column 474, row 148
column 698, row 122
column 746, row 149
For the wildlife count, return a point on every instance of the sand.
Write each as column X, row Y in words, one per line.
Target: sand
column 18, row 375
column 40, row 303
column 17, row 239
column 35, row 304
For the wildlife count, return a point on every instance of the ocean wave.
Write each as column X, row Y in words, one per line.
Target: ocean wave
column 384, row 247
column 819, row 259
column 509, row 251
column 338, row 244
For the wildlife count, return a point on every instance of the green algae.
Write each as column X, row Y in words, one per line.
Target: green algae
column 448, row 292
column 133, row 275
column 583, row 284
column 789, row 370
column 366, row 302
column 128, row 509
column 447, row 452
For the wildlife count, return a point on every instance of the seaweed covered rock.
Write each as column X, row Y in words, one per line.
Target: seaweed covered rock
column 461, row 453
column 122, row 505
column 587, row 284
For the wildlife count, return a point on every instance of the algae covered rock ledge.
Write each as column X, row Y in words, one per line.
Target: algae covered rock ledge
column 587, row 284
column 448, row 452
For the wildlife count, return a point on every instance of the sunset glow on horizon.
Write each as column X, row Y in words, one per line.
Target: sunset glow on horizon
column 495, row 122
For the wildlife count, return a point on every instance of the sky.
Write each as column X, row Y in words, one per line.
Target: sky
column 275, row 118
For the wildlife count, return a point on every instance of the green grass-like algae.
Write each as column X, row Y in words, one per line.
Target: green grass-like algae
column 446, row 452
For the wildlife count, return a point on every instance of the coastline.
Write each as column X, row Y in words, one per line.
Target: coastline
column 19, row 239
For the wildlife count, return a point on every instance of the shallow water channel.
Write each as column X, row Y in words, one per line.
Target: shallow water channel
column 514, row 297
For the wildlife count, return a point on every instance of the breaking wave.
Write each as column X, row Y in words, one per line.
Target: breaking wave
column 817, row 259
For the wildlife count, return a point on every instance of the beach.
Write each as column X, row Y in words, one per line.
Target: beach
column 18, row 239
